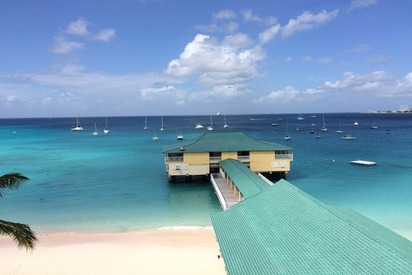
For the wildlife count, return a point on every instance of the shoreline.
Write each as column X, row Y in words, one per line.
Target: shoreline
column 170, row 250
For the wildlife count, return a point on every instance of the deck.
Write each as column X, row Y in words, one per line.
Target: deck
column 225, row 194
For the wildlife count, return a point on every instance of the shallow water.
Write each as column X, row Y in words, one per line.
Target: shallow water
column 117, row 182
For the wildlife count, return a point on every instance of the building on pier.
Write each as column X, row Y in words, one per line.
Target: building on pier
column 201, row 156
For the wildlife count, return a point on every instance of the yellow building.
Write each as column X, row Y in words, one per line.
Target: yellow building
column 201, row 156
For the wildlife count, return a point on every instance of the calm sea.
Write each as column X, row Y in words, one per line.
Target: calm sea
column 117, row 182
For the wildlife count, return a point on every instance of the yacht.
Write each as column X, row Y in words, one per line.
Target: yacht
column 95, row 133
column 78, row 126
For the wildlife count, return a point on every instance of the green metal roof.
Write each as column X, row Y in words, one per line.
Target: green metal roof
column 224, row 142
column 247, row 181
column 283, row 230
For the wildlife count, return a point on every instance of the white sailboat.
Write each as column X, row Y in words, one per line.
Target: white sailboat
column 287, row 137
column 339, row 131
column 300, row 117
column 155, row 137
column 199, row 126
column 210, row 127
column 225, row 126
column 162, row 128
column 78, row 127
column 145, row 123
column 106, row 129
column 374, row 125
column 179, row 135
column 95, row 133
column 348, row 137
column 323, row 129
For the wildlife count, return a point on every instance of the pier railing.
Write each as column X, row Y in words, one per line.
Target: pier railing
column 219, row 194
column 284, row 156
column 173, row 159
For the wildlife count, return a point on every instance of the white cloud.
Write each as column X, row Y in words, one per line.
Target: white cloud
column 269, row 34
column 357, row 4
column 63, row 46
column 105, row 35
column 307, row 21
column 224, row 15
column 78, row 27
column 221, row 22
column 307, row 59
column 248, row 16
column 375, row 81
column 381, row 59
column 287, row 94
column 215, row 62
column 289, row 59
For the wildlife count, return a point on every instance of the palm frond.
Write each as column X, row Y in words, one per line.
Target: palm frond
column 11, row 181
column 21, row 233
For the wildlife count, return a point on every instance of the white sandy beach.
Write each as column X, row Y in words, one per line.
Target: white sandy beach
column 171, row 251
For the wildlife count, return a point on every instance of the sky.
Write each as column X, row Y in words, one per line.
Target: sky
column 182, row 57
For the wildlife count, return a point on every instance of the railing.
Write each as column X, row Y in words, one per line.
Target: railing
column 243, row 158
column 219, row 194
column 173, row 159
column 284, row 156
column 215, row 159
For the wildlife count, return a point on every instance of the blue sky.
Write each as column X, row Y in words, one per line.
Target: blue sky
column 184, row 57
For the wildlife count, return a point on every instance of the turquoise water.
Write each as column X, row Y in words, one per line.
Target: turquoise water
column 117, row 182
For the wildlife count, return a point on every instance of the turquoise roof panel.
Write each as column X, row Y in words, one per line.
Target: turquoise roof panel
column 246, row 181
column 283, row 230
column 224, row 142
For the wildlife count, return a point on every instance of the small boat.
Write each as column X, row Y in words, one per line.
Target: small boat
column 274, row 124
column 225, row 126
column 363, row 162
column 324, row 129
column 95, row 133
column 348, row 137
column 388, row 132
column 355, row 123
column 199, row 126
column 374, row 125
column 162, row 128
column 179, row 136
column 145, row 123
column 155, row 137
column 300, row 117
column 287, row 137
column 106, row 129
column 340, row 127
column 210, row 127
column 78, row 126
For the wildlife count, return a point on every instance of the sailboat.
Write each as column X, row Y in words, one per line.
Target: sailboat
column 225, row 126
column 162, row 128
column 339, row 131
column 179, row 135
column 78, row 126
column 287, row 137
column 95, row 133
column 106, row 129
column 373, row 126
column 300, row 117
column 155, row 137
column 323, row 129
column 145, row 123
column 210, row 127
column 199, row 126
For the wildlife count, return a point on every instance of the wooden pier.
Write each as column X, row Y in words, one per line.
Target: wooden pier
column 226, row 195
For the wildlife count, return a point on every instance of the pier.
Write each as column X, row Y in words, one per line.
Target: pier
column 236, row 182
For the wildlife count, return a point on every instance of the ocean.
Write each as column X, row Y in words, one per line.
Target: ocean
column 118, row 183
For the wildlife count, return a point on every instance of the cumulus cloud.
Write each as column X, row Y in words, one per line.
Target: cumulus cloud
column 269, row 34
column 221, row 22
column 375, row 81
column 287, row 94
column 357, row 4
column 63, row 46
column 78, row 27
column 79, row 30
column 307, row 21
column 218, row 62
column 105, row 35
column 248, row 16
